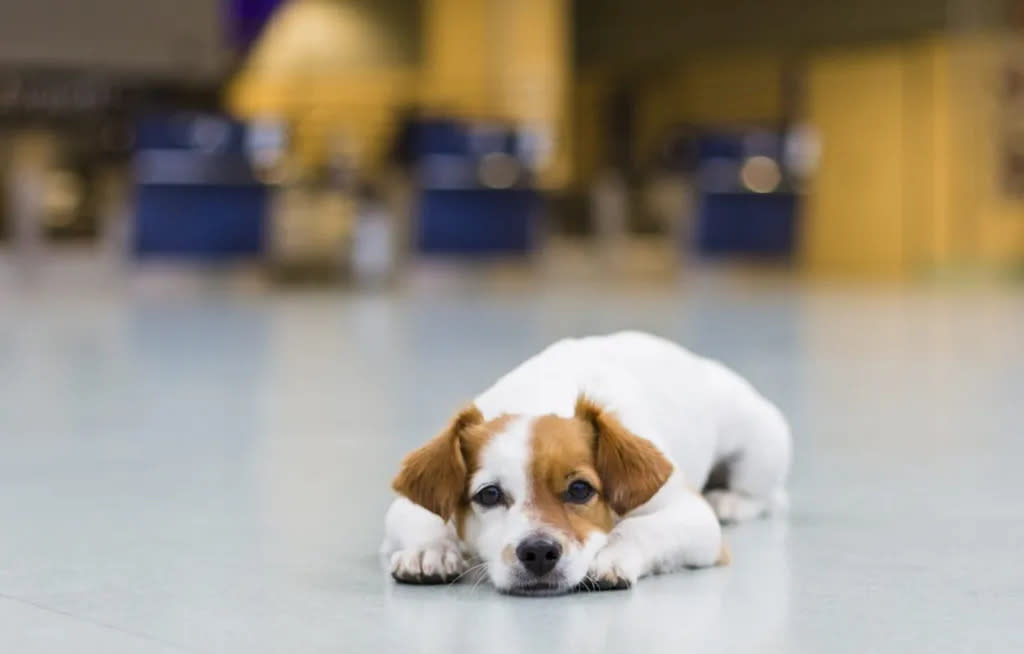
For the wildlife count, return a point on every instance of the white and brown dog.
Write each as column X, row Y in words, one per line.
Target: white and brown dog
column 580, row 469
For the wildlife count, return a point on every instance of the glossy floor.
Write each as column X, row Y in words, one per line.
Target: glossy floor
column 205, row 469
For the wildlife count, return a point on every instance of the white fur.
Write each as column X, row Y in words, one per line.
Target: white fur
column 502, row 462
column 417, row 542
column 675, row 529
column 695, row 411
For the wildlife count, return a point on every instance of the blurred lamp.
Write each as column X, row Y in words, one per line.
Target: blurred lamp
column 62, row 198
column 499, row 170
column 761, row 174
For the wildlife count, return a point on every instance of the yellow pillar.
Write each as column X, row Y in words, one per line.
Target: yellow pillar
column 505, row 60
column 910, row 179
column 455, row 76
column 855, row 210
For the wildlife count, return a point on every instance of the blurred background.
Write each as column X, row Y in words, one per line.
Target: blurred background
column 254, row 251
column 342, row 140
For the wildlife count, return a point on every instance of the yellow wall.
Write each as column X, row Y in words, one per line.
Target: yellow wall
column 925, row 157
column 987, row 222
column 855, row 211
column 455, row 76
column 909, row 177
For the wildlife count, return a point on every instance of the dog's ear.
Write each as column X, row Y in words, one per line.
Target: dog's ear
column 434, row 476
column 631, row 468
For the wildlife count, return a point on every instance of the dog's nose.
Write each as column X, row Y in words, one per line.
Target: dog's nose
column 539, row 555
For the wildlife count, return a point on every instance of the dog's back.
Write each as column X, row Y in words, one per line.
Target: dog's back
column 696, row 410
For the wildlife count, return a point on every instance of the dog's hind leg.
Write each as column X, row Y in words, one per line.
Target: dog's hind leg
column 749, row 482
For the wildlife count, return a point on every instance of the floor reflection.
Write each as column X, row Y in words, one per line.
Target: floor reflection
column 740, row 608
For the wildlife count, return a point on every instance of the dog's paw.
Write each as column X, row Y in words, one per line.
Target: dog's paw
column 438, row 563
column 731, row 507
column 616, row 567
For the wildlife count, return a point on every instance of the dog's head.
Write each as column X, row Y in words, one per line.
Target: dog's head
column 534, row 497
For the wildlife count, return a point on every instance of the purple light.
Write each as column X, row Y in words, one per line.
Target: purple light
column 246, row 20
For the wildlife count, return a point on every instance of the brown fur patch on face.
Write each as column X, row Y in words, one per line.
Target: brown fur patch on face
column 631, row 467
column 562, row 452
column 435, row 475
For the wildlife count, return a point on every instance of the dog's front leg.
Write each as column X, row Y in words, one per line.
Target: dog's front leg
column 419, row 547
column 676, row 529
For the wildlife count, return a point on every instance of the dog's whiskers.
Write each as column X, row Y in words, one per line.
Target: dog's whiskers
column 469, row 570
column 479, row 581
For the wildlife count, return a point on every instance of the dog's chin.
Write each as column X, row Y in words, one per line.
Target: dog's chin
column 537, row 589
column 546, row 586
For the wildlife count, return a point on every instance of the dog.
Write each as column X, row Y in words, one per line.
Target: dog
column 595, row 463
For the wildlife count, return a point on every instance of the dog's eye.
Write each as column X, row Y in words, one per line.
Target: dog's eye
column 489, row 496
column 579, row 492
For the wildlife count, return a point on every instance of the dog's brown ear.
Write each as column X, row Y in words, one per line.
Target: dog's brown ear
column 631, row 468
column 434, row 476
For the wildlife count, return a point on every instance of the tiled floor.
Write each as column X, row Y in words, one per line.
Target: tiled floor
column 205, row 470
